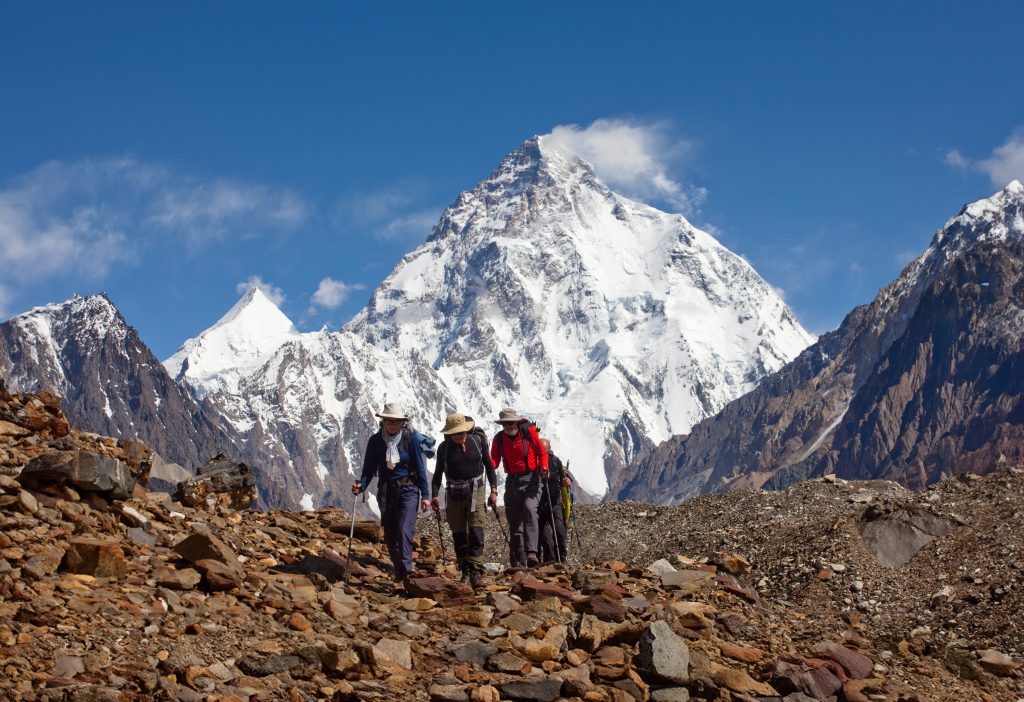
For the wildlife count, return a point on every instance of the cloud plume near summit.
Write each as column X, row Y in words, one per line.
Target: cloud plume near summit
column 634, row 158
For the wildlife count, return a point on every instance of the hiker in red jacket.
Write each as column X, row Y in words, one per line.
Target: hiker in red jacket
column 517, row 447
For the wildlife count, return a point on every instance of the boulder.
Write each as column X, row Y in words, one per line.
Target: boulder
column 663, row 654
column 222, row 482
column 84, row 470
column 100, row 558
column 895, row 534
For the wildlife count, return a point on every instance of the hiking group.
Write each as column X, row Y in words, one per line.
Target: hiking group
column 536, row 488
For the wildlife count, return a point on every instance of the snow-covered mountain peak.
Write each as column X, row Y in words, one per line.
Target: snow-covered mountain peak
column 238, row 343
column 617, row 323
column 93, row 316
column 1000, row 216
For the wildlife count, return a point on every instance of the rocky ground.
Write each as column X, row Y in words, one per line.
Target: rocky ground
column 747, row 596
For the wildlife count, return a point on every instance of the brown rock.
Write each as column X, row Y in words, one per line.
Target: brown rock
column 485, row 693
column 220, row 576
column 530, row 589
column 183, row 579
column 687, row 580
column 99, row 558
column 602, row 607
column 856, row 665
column 731, row 563
column 445, row 592
column 507, row 662
column 197, row 547
column 997, row 663
column 740, row 681
column 392, row 655
column 298, row 622
column 741, row 653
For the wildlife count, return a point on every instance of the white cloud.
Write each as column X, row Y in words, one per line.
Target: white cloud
column 633, row 158
column 90, row 215
column 1006, row 162
column 331, row 294
column 5, row 301
column 390, row 214
column 273, row 293
column 956, row 159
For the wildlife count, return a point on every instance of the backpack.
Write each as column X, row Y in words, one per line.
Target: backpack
column 524, row 434
column 479, row 433
column 426, row 442
column 481, row 438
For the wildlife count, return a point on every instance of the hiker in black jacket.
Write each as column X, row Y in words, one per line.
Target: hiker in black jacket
column 463, row 459
column 558, row 477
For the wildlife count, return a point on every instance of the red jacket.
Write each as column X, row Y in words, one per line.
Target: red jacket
column 512, row 451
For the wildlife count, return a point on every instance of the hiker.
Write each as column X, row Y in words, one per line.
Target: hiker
column 395, row 456
column 551, row 501
column 463, row 459
column 517, row 447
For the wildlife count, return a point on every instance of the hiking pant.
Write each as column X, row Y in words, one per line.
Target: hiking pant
column 398, row 509
column 522, row 497
column 466, row 519
column 549, row 553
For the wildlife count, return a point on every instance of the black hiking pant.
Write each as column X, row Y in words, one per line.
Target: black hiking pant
column 522, row 497
column 549, row 551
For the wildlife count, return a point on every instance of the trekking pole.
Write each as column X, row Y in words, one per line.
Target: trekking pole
column 352, row 535
column 575, row 530
column 497, row 517
column 440, row 537
column 554, row 531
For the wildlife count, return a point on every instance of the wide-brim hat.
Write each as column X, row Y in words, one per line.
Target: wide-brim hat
column 392, row 410
column 456, row 424
column 508, row 415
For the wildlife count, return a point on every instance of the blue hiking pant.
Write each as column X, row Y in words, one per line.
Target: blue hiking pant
column 398, row 510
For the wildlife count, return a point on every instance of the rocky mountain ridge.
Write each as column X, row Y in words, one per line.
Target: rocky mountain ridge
column 923, row 382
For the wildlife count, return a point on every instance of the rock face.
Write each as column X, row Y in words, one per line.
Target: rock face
column 926, row 381
column 107, row 380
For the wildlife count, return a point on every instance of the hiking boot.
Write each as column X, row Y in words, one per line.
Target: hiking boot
column 532, row 561
column 476, row 580
column 466, row 576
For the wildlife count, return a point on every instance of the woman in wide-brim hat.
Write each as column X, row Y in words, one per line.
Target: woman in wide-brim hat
column 463, row 460
column 394, row 455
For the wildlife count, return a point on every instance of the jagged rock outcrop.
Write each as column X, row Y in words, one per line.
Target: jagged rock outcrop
column 925, row 381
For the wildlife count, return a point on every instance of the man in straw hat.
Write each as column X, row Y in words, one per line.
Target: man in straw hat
column 395, row 456
column 462, row 459
column 518, row 448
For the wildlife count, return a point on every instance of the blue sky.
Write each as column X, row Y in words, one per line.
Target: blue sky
column 171, row 154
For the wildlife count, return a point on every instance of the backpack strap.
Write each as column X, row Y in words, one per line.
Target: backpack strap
column 524, row 433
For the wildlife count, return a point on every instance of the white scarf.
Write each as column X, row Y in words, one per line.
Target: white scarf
column 393, row 457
